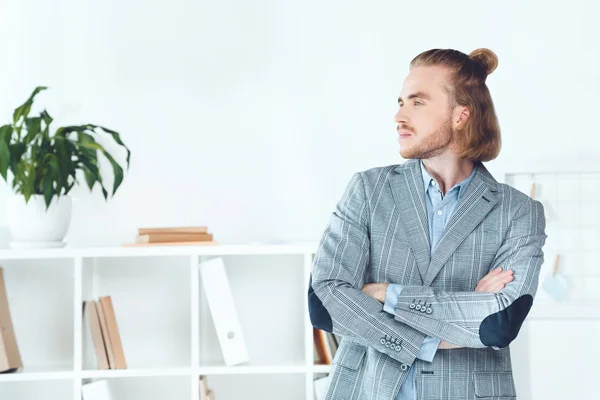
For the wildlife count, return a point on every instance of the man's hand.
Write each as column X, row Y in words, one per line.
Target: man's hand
column 493, row 282
column 376, row 291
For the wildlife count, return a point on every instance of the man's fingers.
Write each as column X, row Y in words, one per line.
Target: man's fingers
column 490, row 275
column 494, row 281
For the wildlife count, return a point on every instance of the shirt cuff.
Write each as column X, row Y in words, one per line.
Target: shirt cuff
column 428, row 348
column 391, row 298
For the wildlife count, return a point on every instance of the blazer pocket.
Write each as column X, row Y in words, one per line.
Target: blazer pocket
column 352, row 357
column 494, row 384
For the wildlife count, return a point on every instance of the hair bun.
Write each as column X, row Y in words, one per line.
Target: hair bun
column 485, row 57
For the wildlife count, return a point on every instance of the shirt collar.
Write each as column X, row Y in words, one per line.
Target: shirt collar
column 462, row 186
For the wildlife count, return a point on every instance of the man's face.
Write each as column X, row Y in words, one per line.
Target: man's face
column 424, row 116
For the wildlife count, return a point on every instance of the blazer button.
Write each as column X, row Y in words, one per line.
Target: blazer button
column 387, row 344
column 423, row 309
column 412, row 306
column 429, row 310
column 382, row 341
column 403, row 367
column 398, row 348
column 393, row 346
column 418, row 307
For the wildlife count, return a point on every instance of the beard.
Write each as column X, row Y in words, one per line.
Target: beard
column 432, row 145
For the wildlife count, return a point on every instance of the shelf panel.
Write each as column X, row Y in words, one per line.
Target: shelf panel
column 135, row 373
column 321, row 369
column 245, row 370
column 121, row 251
column 38, row 374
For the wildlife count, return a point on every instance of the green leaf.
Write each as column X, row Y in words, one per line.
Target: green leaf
column 92, row 146
column 117, row 170
column 89, row 160
column 4, row 159
column 46, row 118
column 90, row 177
column 34, row 127
column 23, row 110
column 47, row 183
column 16, row 150
column 117, row 138
column 6, row 133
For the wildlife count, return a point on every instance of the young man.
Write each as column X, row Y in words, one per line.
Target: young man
column 427, row 269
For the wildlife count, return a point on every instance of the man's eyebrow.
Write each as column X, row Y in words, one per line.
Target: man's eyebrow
column 420, row 95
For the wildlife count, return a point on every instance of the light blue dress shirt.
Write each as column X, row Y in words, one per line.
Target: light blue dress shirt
column 439, row 211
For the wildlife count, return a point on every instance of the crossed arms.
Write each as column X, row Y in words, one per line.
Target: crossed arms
column 338, row 304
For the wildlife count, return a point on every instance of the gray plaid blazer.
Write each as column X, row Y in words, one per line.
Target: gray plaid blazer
column 379, row 233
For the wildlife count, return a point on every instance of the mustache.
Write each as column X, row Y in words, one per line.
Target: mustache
column 405, row 128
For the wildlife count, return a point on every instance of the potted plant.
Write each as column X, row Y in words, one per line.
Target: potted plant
column 44, row 168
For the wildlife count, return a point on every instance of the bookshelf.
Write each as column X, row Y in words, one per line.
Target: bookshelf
column 165, row 324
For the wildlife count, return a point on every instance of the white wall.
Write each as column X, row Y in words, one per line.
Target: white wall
column 251, row 116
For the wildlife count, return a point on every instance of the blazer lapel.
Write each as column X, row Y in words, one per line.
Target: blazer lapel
column 475, row 204
column 409, row 196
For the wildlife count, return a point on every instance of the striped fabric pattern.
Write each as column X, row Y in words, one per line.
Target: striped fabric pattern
column 378, row 232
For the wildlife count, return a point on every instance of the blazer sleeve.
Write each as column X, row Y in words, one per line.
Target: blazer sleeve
column 336, row 301
column 476, row 319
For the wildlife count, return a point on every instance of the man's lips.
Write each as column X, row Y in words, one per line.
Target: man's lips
column 404, row 133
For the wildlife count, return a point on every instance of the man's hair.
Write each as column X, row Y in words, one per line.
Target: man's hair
column 479, row 139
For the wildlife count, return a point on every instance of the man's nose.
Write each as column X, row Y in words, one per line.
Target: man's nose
column 400, row 117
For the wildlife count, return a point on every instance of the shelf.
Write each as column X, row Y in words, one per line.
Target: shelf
column 165, row 324
column 151, row 300
column 284, row 386
column 148, row 387
column 37, row 390
column 246, row 370
column 37, row 374
column 135, row 373
column 321, row 369
column 121, row 251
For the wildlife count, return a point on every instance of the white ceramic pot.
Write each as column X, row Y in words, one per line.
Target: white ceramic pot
column 32, row 226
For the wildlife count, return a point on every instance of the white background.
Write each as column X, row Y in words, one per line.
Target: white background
column 251, row 116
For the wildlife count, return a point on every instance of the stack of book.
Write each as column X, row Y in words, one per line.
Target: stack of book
column 173, row 236
column 102, row 323
column 10, row 357
column 326, row 345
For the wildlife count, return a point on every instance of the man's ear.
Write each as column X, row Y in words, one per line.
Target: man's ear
column 461, row 116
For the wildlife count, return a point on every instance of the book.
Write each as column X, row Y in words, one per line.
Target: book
column 105, row 336
column 10, row 356
column 321, row 356
column 173, row 229
column 113, row 332
column 90, row 313
column 173, row 237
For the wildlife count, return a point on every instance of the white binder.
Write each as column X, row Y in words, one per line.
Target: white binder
column 224, row 313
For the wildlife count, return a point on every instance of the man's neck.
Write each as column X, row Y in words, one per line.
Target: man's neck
column 448, row 170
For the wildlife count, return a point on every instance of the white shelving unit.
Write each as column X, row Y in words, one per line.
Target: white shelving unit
column 164, row 321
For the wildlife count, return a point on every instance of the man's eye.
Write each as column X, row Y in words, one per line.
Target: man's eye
column 418, row 103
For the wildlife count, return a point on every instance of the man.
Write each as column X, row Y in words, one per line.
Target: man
column 427, row 269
